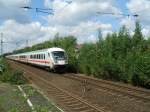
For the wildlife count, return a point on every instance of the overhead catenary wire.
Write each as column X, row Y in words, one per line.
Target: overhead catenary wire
column 118, row 14
column 42, row 10
column 45, row 10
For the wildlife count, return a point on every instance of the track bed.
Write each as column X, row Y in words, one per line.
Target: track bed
column 79, row 94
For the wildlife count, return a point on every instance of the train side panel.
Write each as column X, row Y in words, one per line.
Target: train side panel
column 50, row 58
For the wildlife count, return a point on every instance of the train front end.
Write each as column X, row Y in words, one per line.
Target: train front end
column 60, row 60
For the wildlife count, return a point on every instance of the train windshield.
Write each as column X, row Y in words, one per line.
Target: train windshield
column 59, row 55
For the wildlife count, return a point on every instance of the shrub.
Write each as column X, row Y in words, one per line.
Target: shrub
column 10, row 76
column 18, row 78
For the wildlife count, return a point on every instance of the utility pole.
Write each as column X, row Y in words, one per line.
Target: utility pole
column 1, row 44
column 27, row 43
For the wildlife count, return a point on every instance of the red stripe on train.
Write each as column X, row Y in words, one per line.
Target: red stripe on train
column 41, row 61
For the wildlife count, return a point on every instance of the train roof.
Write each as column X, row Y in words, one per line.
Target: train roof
column 40, row 51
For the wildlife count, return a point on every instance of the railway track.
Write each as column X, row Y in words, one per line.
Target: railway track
column 112, row 97
column 69, row 100
column 140, row 94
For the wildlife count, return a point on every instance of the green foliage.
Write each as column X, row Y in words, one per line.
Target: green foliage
column 120, row 57
column 141, row 75
column 13, row 77
column 17, row 78
column 14, row 110
column 41, row 109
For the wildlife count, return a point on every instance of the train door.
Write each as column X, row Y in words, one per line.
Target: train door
column 49, row 60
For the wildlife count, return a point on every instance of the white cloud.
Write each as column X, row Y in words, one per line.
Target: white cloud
column 74, row 19
column 86, row 31
column 140, row 7
column 146, row 32
column 16, row 32
column 128, row 22
column 35, row 32
column 11, row 9
column 78, row 11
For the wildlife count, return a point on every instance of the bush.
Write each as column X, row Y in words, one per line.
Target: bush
column 17, row 78
column 119, row 57
column 10, row 76
column 41, row 109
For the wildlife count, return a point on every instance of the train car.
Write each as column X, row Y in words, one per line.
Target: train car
column 53, row 58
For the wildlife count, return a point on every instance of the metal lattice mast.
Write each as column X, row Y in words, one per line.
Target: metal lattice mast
column 1, row 43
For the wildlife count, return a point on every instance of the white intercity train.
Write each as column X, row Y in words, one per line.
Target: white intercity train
column 53, row 58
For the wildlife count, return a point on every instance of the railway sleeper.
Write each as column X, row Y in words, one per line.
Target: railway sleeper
column 52, row 90
column 70, row 101
column 55, row 93
column 63, row 98
column 75, row 105
column 81, row 108
column 67, row 98
column 89, row 110
column 58, row 94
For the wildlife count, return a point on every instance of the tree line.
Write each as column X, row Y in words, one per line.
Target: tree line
column 120, row 56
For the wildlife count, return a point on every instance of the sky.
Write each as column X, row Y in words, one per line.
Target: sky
column 80, row 18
